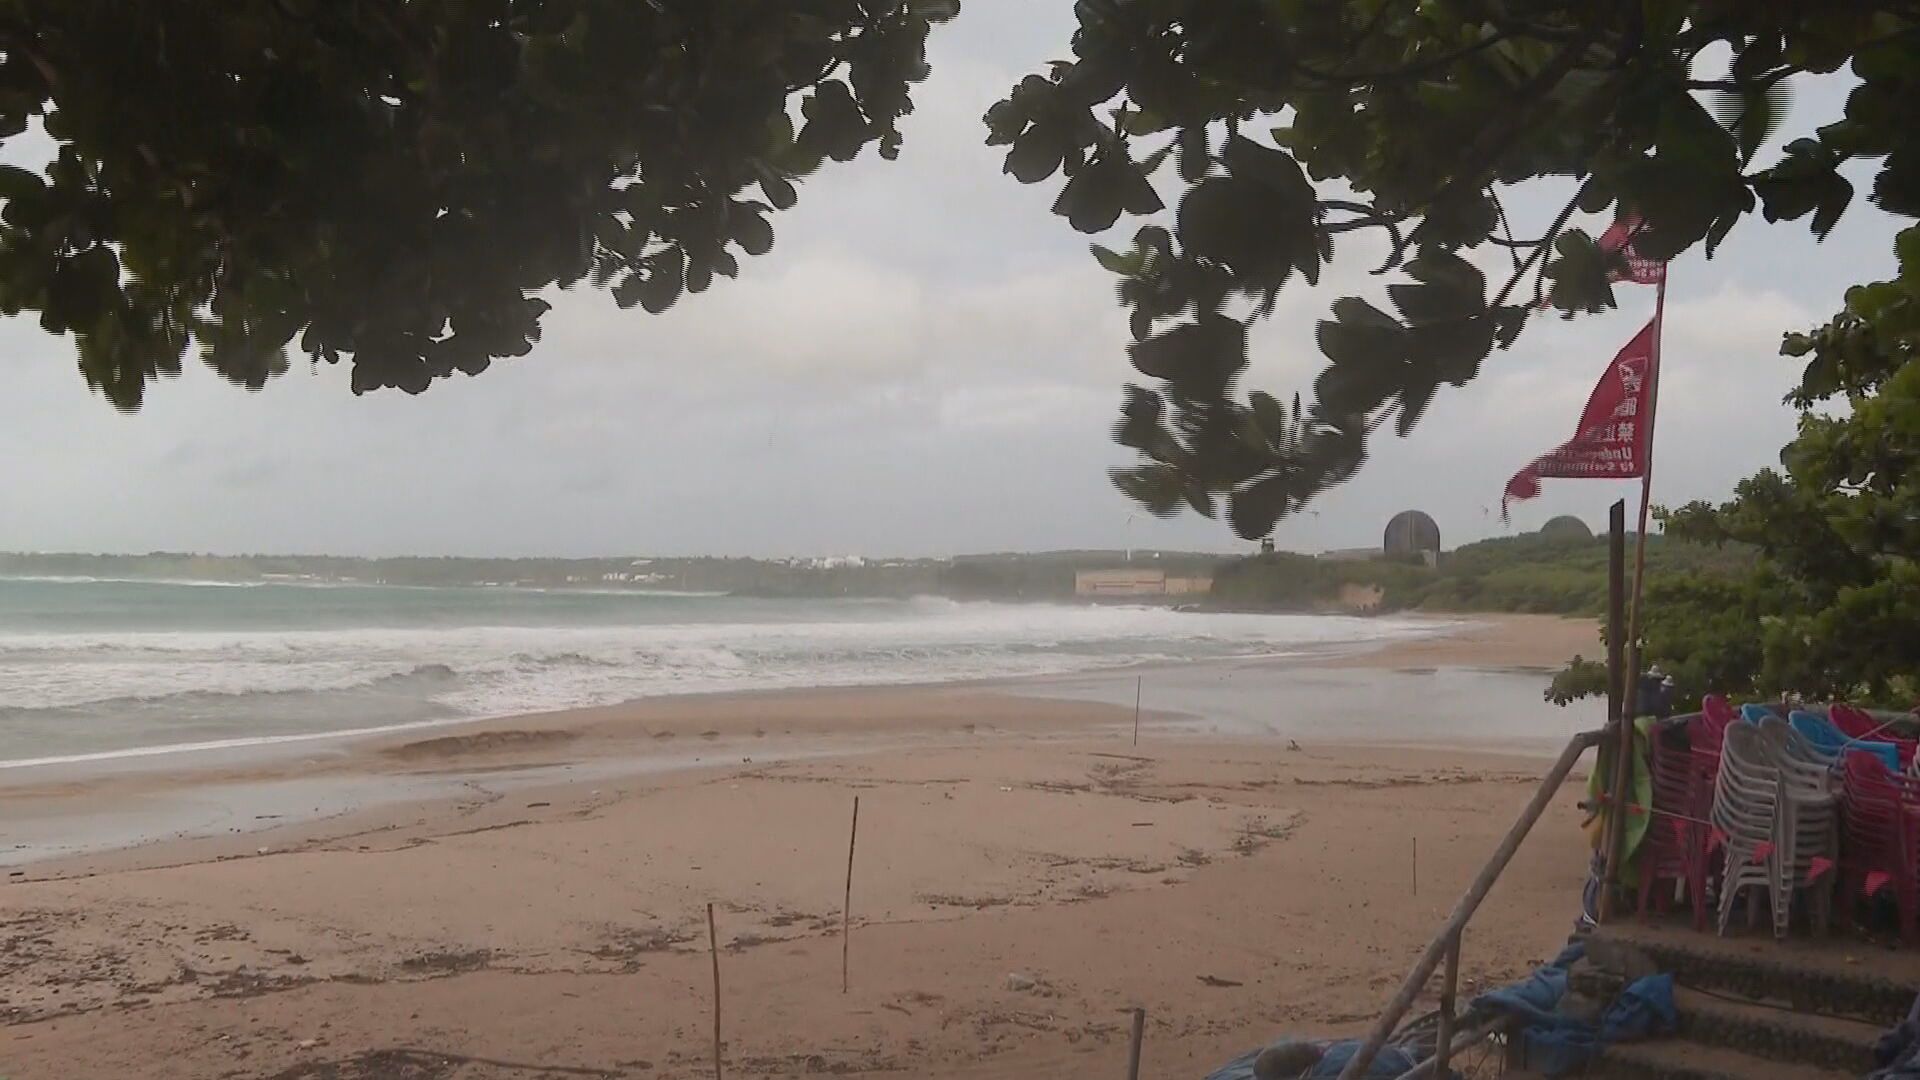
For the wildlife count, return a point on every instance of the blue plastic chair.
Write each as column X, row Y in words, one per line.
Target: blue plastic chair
column 1820, row 731
column 1753, row 713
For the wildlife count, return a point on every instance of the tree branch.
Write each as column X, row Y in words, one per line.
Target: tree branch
column 1759, row 82
column 1500, row 210
column 1494, row 141
column 24, row 46
column 1553, row 231
column 1373, row 24
column 1347, row 79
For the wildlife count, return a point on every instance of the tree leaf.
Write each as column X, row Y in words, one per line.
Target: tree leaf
column 753, row 232
column 1114, row 262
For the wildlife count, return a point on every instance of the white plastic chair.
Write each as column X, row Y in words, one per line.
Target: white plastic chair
column 1776, row 809
column 1809, row 828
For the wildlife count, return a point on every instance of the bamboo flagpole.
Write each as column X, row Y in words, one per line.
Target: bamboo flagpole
column 1636, row 615
column 1619, row 796
column 1614, row 441
column 1616, row 687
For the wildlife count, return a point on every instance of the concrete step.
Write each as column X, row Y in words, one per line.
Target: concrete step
column 1678, row 1059
column 1777, row 1034
column 1773, row 1031
column 1835, row 977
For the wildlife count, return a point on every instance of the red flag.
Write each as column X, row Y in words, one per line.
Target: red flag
column 1614, row 435
column 1619, row 237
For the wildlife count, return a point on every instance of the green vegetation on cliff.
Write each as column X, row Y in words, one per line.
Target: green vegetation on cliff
column 1534, row 572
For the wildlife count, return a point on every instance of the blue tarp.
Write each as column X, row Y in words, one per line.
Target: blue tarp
column 1898, row 1051
column 1389, row 1064
column 1535, row 997
column 1557, row 1044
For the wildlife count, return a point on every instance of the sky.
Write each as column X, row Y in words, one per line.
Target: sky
column 927, row 363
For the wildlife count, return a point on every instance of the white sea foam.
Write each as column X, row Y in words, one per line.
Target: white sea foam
column 74, row 693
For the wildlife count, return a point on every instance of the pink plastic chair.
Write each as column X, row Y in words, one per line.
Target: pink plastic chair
column 1859, row 724
column 1708, row 733
column 1716, row 709
column 1881, row 845
column 1678, row 845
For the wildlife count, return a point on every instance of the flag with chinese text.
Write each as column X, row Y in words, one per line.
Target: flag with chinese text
column 1614, row 436
column 1619, row 237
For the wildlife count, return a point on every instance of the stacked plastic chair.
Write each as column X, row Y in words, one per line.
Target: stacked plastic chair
column 1862, row 725
column 1882, row 837
column 1677, row 845
column 1822, row 733
column 1776, row 817
column 1854, row 723
column 1809, row 841
column 1815, row 738
column 1710, row 730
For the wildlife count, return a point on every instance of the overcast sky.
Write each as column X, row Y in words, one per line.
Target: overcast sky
column 928, row 362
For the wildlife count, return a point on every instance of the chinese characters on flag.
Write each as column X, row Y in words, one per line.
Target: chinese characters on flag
column 1639, row 270
column 1619, row 237
column 1613, row 438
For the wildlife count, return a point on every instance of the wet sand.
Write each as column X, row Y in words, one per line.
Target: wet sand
column 528, row 897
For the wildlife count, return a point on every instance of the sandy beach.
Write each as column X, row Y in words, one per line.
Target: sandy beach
column 528, row 897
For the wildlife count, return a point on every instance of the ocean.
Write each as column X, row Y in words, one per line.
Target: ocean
column 95, row 669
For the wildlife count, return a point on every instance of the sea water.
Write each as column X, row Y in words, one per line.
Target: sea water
column 93, row 669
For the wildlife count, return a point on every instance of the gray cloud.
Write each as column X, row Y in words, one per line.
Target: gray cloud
column 927, row 362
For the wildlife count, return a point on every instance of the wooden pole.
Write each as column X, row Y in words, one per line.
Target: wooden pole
column 1616, row 609
column 1637, row 616
column 1134, row 1042
column 1449, row 987
column 1423, row 970
column 1623, row 766
column 1611, row 828
column 713, row 948
column 846, row 907
column 1138, row 680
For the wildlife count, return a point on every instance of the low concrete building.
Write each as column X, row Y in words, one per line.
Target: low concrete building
column 1366, row 554
column 1129, row 582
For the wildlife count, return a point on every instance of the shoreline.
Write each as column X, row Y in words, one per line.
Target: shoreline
column 1471, row 641
column 533, row 889
column 1395, row 696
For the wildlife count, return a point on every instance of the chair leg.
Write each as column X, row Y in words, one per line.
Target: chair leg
column 1725, row 914
column 1820, row 905
column 1697, row 884
column 1851, row 885
column 1729, row 898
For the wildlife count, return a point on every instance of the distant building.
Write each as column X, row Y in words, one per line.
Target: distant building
column 1189, row 586
column 1138, row 583
column 837, row 562
column 1412, row 532
column 1364, row 554
column 1566, row 527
